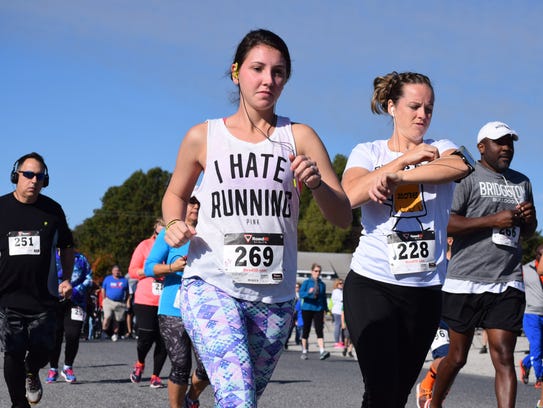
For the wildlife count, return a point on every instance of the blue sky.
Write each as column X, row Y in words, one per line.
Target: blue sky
column 105, row 88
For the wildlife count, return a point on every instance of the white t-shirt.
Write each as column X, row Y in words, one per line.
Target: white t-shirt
column 337, row 301
column 422, row 210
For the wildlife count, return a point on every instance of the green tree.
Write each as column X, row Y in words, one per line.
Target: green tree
column 127, row 217
column 317, row 234
column 529, row 246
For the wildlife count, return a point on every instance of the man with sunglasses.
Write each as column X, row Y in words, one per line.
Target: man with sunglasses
column 32, row 226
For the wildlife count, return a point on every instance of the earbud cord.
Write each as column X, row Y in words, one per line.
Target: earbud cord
column 395, row 139
column 274, row 120
column 267, row 135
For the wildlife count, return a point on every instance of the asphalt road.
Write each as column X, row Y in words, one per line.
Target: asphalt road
column 103, row 368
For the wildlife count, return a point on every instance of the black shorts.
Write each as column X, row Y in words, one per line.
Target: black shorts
column 20, row 331
column 146, row 317
column 464, row 312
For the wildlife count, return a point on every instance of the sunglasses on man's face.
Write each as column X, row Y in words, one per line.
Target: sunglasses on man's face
column 193, row 201
column 30, row 175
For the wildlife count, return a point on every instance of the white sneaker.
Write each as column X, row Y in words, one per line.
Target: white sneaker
column 114, row 337
column 324, row 355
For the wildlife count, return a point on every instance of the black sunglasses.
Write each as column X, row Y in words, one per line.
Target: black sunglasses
column 194, row 200
column 30, row 175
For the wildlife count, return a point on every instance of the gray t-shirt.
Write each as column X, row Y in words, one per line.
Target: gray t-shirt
column 533, row 289
column 475, row 257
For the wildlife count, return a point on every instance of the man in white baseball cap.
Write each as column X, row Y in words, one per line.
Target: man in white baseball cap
column 492, row 208
column 496, row 130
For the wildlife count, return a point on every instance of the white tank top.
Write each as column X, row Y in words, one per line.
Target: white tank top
column 246, row 242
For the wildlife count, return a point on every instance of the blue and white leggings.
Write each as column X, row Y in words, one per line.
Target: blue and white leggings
column 238, row 341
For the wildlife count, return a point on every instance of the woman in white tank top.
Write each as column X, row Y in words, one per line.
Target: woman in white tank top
column 237, row 296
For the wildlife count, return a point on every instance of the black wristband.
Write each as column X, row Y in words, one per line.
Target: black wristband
column 317, row 186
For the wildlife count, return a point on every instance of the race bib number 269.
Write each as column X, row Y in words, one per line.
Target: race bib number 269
column 255, row 258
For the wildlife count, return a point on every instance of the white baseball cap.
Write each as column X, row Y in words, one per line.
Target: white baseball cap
column 495, row 130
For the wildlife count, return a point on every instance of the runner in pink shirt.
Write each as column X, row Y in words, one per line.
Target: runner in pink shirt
column 146, row 310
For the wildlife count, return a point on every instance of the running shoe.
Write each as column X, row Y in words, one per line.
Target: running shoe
column 115, row 337
column 324, row 355
column 33, row 388
column 424, row 396
column 539, row 404
column 339, row 344
column 304, row 356
column 68, row 374
column 156, row 382
column 524, row 373
column 137, row 372
column 538, row 383
column 52, row 376
column 191, row 404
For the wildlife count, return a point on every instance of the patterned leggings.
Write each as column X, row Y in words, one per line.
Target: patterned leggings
column 239, row 341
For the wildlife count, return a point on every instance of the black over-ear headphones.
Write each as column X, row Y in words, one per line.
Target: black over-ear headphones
column 14, row 177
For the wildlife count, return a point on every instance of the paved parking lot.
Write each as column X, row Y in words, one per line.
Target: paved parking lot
column 103, row 367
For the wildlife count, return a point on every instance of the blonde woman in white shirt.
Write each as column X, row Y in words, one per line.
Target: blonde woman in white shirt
column 404, row 186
